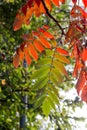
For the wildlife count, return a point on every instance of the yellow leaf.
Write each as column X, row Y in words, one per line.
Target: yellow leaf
column 3, row 82
column 61, row 58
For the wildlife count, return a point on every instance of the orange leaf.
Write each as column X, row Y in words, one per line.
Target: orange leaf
column 27, row 37
column 18, row 21
column 41, row 8
column 55, row 2
column 28, row 14
column 84, row 54
column 44, row 42
column 85, row 3
column 36, row 34
column 16, row 60
column 62, row 51
column 36, row 10
column 38, row 45
column 33, row 51
column 27, row 56
column 47, row 34
column 48, row 4
column 21, row 54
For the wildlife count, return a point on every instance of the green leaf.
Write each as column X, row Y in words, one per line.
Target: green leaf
column 52, row 104
column 60, row 67
column 44, row 61
column 49, row 52
column 53, row 88
column 53, row 96
column 8, row 120
column 54, row 80
column 46, row 107
column 39, row 101
column 57, row 74
column 41, row 72
column 2, row 95
column 40, row 83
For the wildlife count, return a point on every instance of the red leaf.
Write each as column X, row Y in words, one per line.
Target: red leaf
column 24, row 9
column 38, row 45
column 27, row 56
column 74, row 1
column 77, row 11
column 80, row 29
column 77, row 68
column 84, row 14
column 62, row 1
column 75, row 51
column 62, row 51
column 81, row 86
column 46, row 27
column 22, row 46
column 85, row 3
column 81, row 82
column 75, row 72
column 44, row 42
column 30, row 2
column 84, row 54
column 38, row 2
column 16, row 60
column 33, row 51
column 84, row 94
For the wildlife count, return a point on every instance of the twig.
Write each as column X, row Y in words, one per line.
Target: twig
column 55, row 20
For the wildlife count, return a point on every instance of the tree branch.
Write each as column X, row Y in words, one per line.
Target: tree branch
column 55, row 20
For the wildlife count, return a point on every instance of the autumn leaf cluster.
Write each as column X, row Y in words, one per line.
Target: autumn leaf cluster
column 42, row 40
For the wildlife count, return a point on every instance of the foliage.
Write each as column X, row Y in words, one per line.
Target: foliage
column 40, row 59
column 77, row 28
